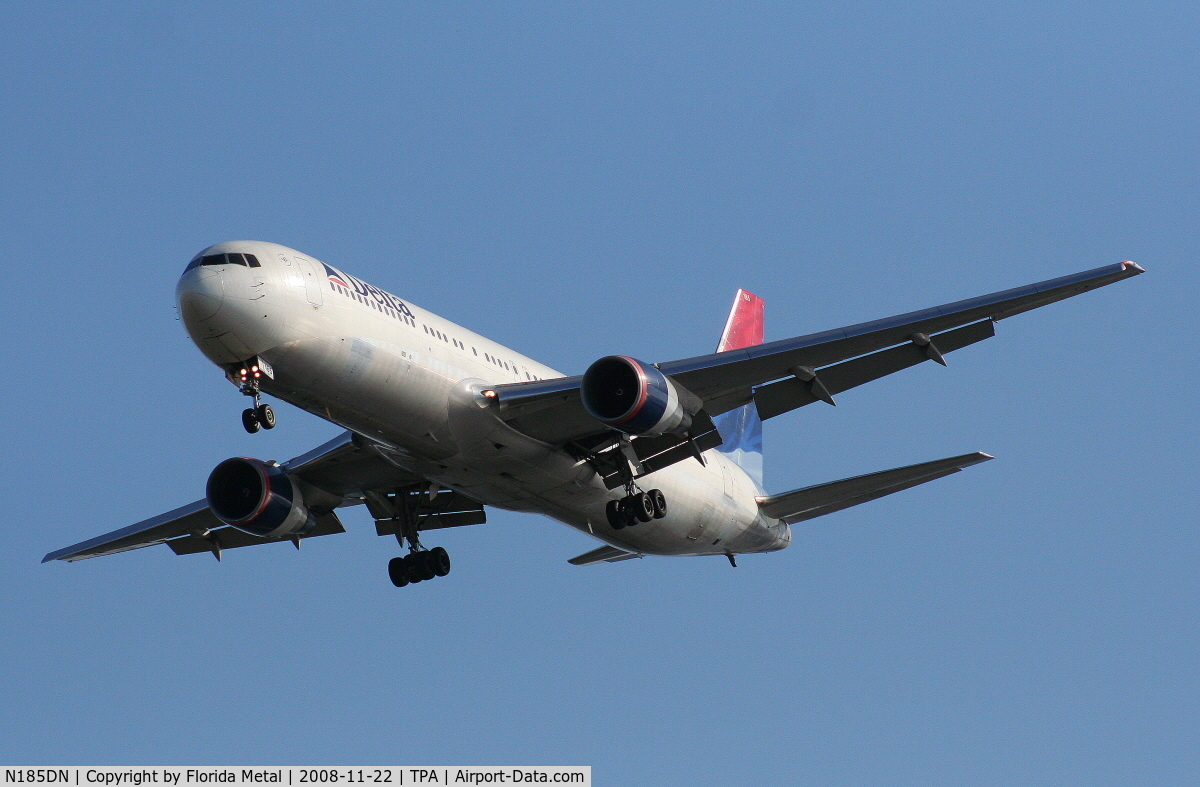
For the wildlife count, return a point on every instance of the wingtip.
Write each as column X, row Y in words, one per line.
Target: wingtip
column 1130, row 265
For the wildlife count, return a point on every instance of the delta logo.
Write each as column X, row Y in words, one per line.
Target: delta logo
column 335, row 277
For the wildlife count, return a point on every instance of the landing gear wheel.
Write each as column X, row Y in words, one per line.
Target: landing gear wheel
column 659, row 501
column 265, row 416
column 642, row 507
column 439, row 559
column 412, row 567
column 397, row 573
column 615, row 514
column 250, row 420
column 426, row 564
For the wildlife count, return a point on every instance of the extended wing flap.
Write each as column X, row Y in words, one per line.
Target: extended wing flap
column 814, row 501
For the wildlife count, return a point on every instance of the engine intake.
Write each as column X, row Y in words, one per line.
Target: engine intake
column 258, row 498
column 635, row 397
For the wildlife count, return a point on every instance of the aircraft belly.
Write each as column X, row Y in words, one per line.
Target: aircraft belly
column 701, row 519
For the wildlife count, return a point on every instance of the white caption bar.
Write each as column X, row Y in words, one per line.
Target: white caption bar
column 171, row 776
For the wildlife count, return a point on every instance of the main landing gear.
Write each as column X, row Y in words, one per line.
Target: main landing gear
column 636, row 507
column 418, row 566
column 420, row 563
column 260, row 416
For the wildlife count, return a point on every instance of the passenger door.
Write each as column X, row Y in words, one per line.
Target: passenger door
column 312, row 284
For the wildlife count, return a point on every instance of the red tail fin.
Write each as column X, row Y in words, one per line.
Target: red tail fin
column 741, row 428
column 744, row 328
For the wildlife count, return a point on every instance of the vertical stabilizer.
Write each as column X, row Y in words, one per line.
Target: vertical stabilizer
column 741, row 427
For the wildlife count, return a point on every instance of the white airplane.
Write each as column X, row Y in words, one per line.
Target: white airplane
column 650, row 459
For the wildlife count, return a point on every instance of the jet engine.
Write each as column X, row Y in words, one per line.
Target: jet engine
column 636, row 398
column 258, row 498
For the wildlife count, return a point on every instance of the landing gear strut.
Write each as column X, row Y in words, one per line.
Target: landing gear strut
column 636, row 507
column 260, row 416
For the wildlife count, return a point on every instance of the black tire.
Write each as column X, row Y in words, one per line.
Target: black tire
column 616, row 517
column 413, row 568
column 250, row 420
column 397, row 573
column 659, row 501
column 423, row 566
column 642, row 508
column 266, row 416
column 439, row 560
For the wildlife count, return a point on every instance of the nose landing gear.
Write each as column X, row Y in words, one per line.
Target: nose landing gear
column 247, row 377
column 260, row 417
column 256, row 418
column 636, row 507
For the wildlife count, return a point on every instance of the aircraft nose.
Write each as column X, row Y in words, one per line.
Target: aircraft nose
column 200, row 294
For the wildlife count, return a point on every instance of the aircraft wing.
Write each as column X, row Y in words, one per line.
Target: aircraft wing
column 815, row 501
column 783, row 375
column 346, row 466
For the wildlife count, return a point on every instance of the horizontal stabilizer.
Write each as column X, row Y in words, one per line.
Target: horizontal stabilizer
column 605, row 554
column 815, row 501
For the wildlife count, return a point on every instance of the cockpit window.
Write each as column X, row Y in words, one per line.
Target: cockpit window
column 224, row 259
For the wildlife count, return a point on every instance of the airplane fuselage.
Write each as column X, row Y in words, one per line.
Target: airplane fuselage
column 411, row 382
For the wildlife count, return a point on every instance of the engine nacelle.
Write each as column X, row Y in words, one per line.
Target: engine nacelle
column 258, row 498
column 635, row 397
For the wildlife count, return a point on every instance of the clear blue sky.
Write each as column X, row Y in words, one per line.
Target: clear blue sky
column 577, row 181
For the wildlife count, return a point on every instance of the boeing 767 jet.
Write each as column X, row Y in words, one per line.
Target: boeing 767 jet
column 648, row 458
